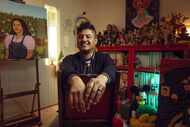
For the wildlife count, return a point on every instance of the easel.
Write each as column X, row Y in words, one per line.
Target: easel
column 31, row 118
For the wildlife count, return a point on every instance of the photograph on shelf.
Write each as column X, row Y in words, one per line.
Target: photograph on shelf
column 174, row 102
column 140, row 13
column 123, row 79
column 119, row 59
column 165, row 91
column 23, row 31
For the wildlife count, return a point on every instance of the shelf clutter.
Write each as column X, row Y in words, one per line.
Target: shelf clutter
column 133, row 50
column 137, row 55
column 139, row 85
column 168, row 31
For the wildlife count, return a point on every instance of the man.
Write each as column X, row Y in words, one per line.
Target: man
column 87, row 61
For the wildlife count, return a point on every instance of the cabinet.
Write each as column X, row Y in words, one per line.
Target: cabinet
column 175, row 77
column 131, row 58
column 31, row 117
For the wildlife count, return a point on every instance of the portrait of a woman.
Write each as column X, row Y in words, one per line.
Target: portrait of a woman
column 141, row 13
column 142, row 17
column 19, row 43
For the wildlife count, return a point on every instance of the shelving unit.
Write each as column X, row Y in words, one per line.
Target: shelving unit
column 133, row 49
column 34, row 116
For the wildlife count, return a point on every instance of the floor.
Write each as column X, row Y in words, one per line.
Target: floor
column 49, row 117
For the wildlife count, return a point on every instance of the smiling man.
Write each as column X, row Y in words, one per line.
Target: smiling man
column 87, row 61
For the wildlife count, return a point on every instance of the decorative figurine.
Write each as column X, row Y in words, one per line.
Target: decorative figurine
column 100, row 39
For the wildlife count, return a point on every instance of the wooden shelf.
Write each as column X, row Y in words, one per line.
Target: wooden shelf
column 174, row 47
column 149, row 69
column 122, row 67
column 113, row 48
column 141, row 69
column 131, row 57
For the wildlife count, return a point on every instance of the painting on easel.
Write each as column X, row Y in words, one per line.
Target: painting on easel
column 23, row 31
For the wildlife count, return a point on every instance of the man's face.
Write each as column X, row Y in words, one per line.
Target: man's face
column 86, row 40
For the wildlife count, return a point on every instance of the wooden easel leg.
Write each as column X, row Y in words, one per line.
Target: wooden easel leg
column 1, row 107
column 37, row 94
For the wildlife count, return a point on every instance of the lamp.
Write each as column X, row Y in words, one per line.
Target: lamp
column 188, row 28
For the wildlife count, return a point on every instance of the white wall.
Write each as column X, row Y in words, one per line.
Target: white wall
column 69, row 10
column 168, row 6
column 103, row 12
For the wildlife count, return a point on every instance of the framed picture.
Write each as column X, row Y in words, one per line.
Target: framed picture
column 140, row 13
column 165, row 91
column 23, row 31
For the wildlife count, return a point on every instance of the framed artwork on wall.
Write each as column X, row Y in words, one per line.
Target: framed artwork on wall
column 140, row 13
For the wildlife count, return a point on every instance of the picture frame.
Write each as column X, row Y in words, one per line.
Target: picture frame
column 165, row 91
column 133, row 8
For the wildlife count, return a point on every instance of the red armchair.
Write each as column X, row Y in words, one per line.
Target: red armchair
column 99, row 115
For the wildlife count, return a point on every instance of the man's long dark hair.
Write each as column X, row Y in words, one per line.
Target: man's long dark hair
column 23, row 24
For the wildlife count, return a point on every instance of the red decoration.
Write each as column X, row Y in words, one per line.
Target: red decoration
column 117, row 103
column 117, row 121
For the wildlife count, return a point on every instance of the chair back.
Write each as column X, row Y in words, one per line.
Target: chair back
column 99, row 114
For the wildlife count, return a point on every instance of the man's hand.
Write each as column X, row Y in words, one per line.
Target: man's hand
column 95, row 89
column 76, row 99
